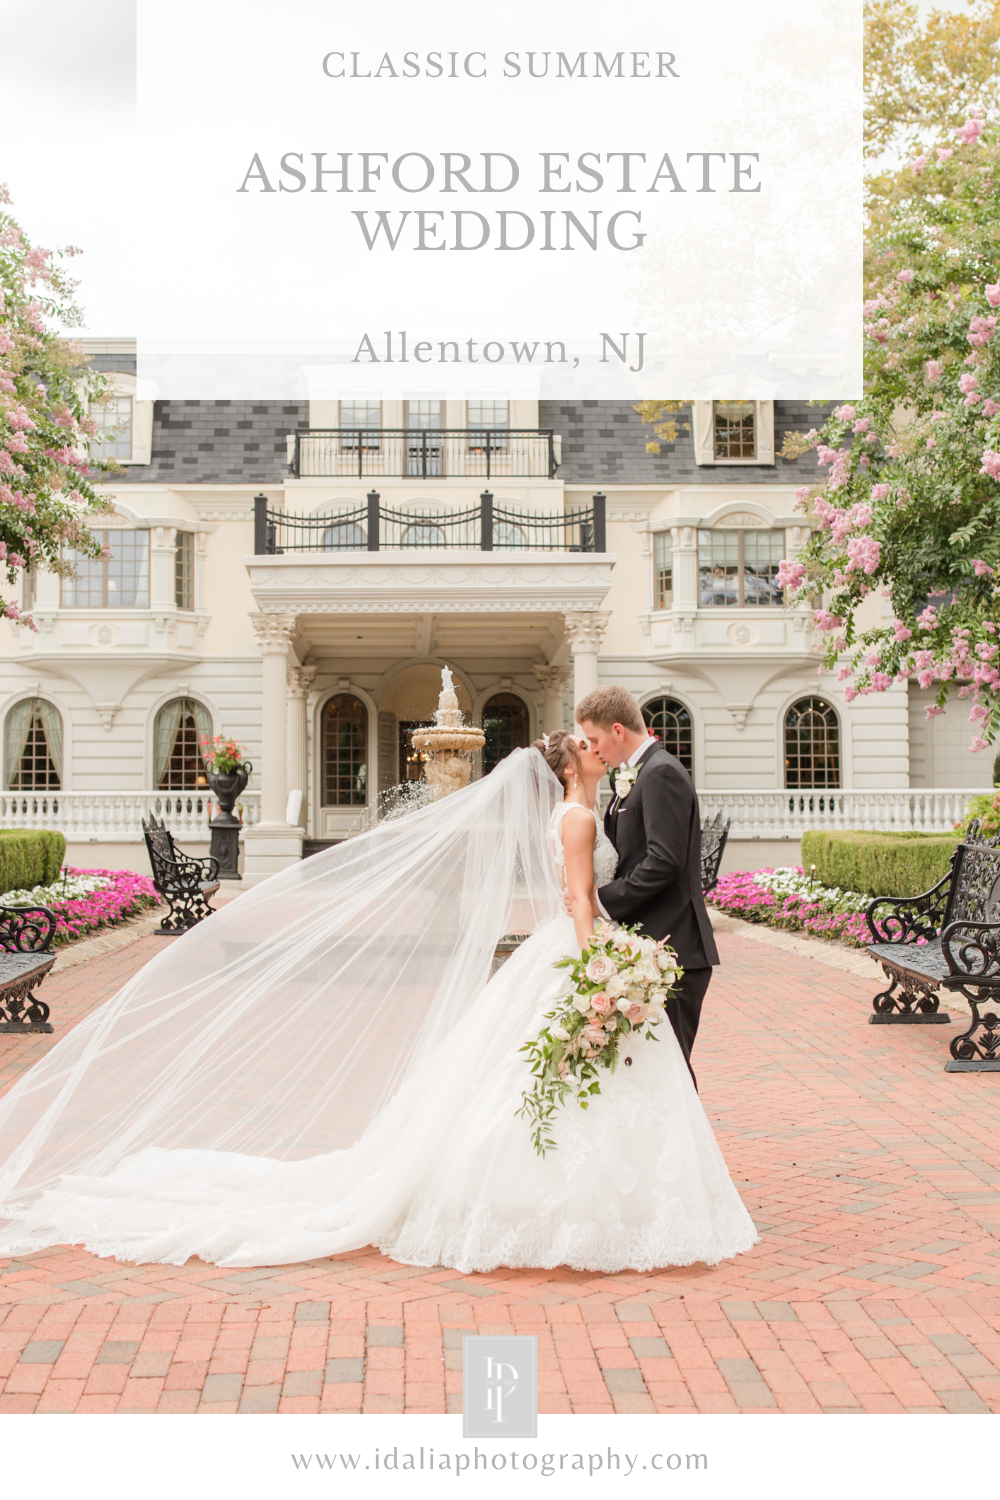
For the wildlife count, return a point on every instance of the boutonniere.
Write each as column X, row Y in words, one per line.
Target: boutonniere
column 625, row 779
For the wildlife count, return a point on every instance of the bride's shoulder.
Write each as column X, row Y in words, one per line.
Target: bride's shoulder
column 563, row 808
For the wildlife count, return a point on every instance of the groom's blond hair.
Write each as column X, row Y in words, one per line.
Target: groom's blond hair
column 610, row 705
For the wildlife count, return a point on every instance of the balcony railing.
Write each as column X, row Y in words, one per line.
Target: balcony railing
column 116, row 817
column 786, row 815
column 425, row 453
column 486, row 527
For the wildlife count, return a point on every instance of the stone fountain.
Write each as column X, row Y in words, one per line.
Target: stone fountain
column 448, row 743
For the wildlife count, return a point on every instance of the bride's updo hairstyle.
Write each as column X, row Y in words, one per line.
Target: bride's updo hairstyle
column 562, row 750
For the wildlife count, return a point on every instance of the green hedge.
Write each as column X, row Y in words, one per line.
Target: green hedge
column 879, row 864
column 29, row 857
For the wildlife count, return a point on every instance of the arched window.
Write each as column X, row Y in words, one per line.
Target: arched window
column 177, row 760
column 33, row 747
column 670, row 721
column 423, row 534
column 505, row 725
column 812, row 745
column 508, row 534
column 344, row 536
column 345, row 752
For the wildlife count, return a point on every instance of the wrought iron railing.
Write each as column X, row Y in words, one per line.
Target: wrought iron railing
column 425, row 453
column 486, row 527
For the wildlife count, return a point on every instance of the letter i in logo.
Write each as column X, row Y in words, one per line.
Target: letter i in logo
column 501, row 1381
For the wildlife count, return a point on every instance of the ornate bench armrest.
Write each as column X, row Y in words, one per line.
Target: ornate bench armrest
column 904, row 919
column 972, row 949
column 27, row 929
column 209, row 864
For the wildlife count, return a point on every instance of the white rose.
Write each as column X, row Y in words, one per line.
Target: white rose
column 624, row 1004
column 646, row 972
column 657, row 997
column 560, row 1033
column 616, row 986
column 582, row 1004
column 666, row 960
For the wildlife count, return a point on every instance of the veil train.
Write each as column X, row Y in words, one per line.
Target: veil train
column 284, row 1024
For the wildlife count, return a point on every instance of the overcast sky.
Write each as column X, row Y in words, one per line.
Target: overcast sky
column 67, row 76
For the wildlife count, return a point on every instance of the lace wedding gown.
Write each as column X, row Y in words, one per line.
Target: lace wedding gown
column 445, row 1173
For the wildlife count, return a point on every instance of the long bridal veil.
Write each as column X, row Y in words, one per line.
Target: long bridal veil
column 280, row 1027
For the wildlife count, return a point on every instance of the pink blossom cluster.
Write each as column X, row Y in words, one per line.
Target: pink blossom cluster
column 981, row 330
column 970, row 132
column 863, row 553
column 991, row 463
column 790, row 574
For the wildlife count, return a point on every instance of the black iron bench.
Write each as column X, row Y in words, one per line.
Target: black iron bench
column 184, row 881
column 714, row 834
column 947, row 938
column 26, row 957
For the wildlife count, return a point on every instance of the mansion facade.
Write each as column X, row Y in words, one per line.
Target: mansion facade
column 295, row 575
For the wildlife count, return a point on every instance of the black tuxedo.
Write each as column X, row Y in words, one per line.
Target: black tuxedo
column 656, row 830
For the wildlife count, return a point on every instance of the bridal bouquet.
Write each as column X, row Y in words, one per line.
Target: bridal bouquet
column 621, row 983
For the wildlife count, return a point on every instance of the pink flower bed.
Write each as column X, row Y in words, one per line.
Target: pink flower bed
column 739, row 895
column 126, row 896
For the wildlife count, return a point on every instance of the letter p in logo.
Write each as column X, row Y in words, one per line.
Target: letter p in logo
column 499, row 1387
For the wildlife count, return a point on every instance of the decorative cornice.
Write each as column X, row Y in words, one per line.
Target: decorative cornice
column 280, row 609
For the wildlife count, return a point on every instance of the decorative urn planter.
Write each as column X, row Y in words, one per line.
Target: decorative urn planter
column 228, row 787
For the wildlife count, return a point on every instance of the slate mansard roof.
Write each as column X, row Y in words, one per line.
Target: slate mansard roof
column 603, row 443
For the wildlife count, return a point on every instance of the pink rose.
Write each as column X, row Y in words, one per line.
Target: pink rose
column 600, row 968
column 594, row 1036
column 602, row 1003
column 636, row 1012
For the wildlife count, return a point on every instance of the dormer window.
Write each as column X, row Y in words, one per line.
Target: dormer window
column 113, row 438
column 735, row 429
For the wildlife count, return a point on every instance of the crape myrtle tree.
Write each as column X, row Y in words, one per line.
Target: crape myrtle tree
column 908, row 505
column 46, row 496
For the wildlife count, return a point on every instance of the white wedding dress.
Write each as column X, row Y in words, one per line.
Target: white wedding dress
column 444, row 1174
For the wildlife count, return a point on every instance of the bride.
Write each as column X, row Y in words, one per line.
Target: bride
column 322, row 1066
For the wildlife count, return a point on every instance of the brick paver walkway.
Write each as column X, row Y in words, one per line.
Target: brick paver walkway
column 871, row 1173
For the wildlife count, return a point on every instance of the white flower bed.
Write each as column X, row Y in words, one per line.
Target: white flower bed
column 73, row 888
column 789, row 881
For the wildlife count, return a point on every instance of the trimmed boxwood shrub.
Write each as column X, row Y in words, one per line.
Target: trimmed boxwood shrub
column 879, row 864
column 29, row 857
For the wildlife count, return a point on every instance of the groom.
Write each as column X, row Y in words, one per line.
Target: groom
column 654, row 823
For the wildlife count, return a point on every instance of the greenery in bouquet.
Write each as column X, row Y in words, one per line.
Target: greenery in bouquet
column 221, row 755
column 619, row 985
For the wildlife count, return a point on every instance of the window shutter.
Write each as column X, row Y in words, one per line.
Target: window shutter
column 142, row 432
column 765, row 432
column 703, row 431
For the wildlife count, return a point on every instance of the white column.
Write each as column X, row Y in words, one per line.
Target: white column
column 300, row 681
column 585, row 629
column 272, row 845
column 552, row 681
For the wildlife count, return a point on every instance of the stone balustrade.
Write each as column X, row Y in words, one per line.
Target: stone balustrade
column 115, row 817
column 788, row 814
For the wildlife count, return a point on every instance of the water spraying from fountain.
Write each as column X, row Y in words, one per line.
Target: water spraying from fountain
column 448, row 743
